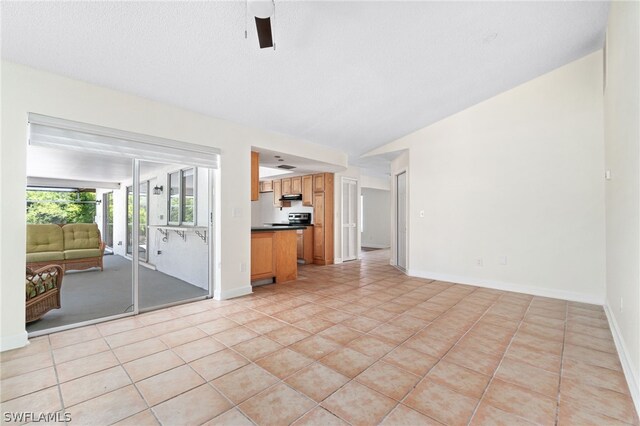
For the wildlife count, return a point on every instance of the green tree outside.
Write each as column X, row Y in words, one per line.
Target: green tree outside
column 60, row 207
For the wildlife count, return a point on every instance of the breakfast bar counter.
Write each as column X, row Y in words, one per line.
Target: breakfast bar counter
column 274, row 253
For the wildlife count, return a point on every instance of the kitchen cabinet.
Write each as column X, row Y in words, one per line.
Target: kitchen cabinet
column 305, row 244
column 266, row 186
column 273, row 255
column 318, row 182
column 263, row 261
column 277, row 192
column 307, row 190
column 255, row 175
column 296, row 185
column 323, row 208
column 286, row 186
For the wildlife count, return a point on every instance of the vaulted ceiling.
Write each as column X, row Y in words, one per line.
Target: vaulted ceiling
column 350, row 75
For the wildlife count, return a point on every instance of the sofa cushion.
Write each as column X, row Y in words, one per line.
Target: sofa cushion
column 81, row 236
column 44, row 256
column 82, row 253
column 44, row 238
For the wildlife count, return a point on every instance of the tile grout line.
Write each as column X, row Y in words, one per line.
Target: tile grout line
column 564, row 340
column 456, row 342
column 484, row 393
column 58, row 384
column 319, row 404
column 132, row 382
column 355, row 289
column 399, row 402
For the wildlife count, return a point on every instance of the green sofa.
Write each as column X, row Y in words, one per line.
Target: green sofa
column 72, row 246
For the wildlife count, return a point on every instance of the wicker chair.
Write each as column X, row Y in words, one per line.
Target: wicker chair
column 43, row 290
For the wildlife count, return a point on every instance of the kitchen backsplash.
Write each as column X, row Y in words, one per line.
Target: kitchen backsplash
column 263, row 211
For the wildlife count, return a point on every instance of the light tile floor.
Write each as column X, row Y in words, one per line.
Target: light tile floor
column 358, row 343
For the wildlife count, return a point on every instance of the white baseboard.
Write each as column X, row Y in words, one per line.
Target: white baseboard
column 234, row 292
column 625, row 358
column 518, row 288
column 337, row 260
column 14, row 341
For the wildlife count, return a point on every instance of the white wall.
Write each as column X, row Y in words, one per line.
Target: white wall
column 27, row 90
column 519, row 175
column 376, row 212
column 186, row 259
column 375, row 182
column 622, row 157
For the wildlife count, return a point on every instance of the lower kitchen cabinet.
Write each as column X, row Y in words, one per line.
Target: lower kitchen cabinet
column 273, row 255
column 305, row 244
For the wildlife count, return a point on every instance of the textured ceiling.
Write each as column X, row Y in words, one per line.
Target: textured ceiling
column 351, row 75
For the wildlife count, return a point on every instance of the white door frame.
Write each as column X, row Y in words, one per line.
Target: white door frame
column 343, row 234
column 399, row 172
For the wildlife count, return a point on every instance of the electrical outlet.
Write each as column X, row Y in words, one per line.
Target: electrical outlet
column 243, row 267
column 479, row 261
column 159, row 252
column 503, row 260
column 421, row 213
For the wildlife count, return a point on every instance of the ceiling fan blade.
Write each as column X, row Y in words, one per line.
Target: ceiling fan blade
column 263, row 25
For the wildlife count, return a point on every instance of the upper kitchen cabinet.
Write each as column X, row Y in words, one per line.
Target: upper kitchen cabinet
column 318, row 182
column 296, row 185
column 266, row 186
column 286, row 186
column 307, row 190
column 277, row 192
column 323, row 229
column 255, row 176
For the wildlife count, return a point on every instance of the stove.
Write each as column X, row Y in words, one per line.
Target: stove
column 299, row 218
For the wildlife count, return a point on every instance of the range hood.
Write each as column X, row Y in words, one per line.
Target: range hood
column 291, row 197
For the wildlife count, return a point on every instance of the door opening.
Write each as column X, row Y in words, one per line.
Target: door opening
column 349, row 219
column 401, row 220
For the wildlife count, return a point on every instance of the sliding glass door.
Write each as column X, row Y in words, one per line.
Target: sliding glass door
column 143, row 230
column 156, row 217
column 94, row 286
column 173, row 219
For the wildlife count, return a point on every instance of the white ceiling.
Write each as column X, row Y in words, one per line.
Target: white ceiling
column 350, row 75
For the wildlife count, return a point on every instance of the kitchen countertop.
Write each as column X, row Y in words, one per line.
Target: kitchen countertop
column 287, row 224
column 276, row 228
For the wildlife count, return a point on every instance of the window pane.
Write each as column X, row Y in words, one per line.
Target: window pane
column 174, row 197
column 188, row 196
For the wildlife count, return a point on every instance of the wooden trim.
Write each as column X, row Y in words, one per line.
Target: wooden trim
column 255, row 175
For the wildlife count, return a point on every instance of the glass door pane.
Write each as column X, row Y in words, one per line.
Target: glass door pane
column 129, row 201
column 142, row 230
column 107, row 215
column 174, row 234
column 94, row 286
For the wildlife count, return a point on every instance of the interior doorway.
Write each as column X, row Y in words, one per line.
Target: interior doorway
column 349, row 219
column 401, row 220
